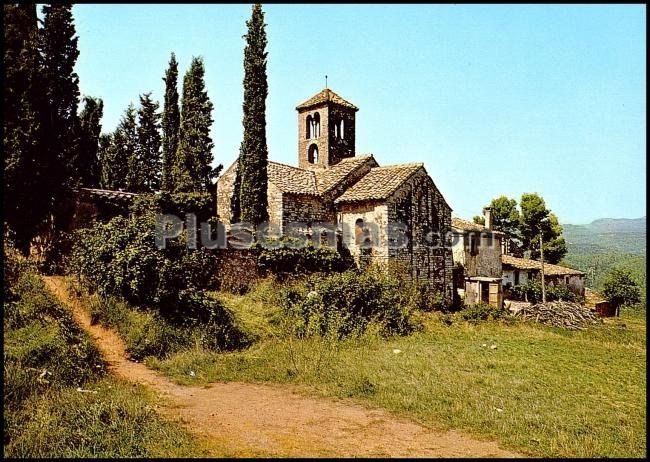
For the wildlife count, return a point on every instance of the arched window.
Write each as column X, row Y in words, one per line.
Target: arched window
column 308, row 127
column 316, row 130
column 359, row 232
column 312, row 154
column 342, row 130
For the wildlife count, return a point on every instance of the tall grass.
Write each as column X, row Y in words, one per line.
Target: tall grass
column 58, row 400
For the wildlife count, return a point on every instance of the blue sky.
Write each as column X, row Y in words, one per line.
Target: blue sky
column 493, row 99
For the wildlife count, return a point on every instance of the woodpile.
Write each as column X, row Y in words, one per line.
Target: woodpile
column 567, row 315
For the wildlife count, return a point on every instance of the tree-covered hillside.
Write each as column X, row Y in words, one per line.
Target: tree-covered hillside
column 605, row 244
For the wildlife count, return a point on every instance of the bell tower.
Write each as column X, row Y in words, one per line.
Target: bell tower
column 326, row 130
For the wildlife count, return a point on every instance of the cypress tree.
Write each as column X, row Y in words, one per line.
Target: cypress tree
column 120, row 166
column 149, row 141
column 58, row 44
column 253, row 155
column 105, row 154
column 26, row 199
column 192, row 170
column 87, row 169
column 171, row 119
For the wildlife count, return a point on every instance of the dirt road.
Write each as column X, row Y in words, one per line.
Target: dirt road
column 272, row 420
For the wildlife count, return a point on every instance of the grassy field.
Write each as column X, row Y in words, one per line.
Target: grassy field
column 538, row 390
column 58, row 399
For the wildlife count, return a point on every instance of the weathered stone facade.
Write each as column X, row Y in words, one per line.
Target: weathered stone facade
column 396, row 209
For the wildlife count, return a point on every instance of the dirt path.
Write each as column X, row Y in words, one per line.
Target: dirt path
column 249, row 419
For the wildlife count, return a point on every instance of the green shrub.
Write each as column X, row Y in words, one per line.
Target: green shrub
column 148, row 333
column 288, row 258
column 482, row 312
column 348, row 302
column 620, row 288
column 532, row 291
column 120, row 258
column 179, row 204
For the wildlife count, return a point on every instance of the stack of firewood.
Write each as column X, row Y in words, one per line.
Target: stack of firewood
column 567, row 315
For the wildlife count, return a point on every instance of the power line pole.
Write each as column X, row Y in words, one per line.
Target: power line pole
column 541, row 253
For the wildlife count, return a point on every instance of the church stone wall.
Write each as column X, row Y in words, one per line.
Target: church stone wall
column 375, row 218
column 421, row 207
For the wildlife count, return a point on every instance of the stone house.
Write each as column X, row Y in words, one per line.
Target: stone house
column 521, row 270
column 380, row 213
column 477, row 258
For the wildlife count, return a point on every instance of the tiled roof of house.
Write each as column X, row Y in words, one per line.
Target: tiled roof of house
column 379, row 183
column 325, row 96
column 528, row 264
column 292, row 179
column 465, row 225
column 331, row 177
column 109, row 194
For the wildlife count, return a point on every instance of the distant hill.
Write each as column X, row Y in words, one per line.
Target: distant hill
column 619, row 235
column 604, row 244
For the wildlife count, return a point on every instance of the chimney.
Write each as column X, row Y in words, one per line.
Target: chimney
column 487, row 213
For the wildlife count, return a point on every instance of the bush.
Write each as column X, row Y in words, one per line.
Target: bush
column 287, row 259
column 203, row 322
column 620, row 288
column 532, row 291
column 179, row 204
column 483, row 312
column 120, row 258
column 346, row 303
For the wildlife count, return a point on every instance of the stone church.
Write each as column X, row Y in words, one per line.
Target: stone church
column 389, row 213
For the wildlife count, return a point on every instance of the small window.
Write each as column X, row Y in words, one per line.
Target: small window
column 312, row 154
column 316, row 126
column 308, row 127
column 473, row 244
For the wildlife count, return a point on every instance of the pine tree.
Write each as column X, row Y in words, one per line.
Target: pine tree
column 171, row 119
column 86, row 168
column 24, row 170
column 149, row 141
column 192, row 170
column 58, row 45
column 253, row 156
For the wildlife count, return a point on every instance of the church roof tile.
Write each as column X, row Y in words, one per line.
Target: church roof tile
column 379, row 183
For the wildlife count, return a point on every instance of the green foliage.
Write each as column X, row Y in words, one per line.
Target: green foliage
column 252, row 174
column 522, row 228
column 118, row 159
column 120, row 258
column 149, row 141
column 479, row 220
column 25, row 162
column 87, row 167
column 620, row 288
column 171, row 120
column 203, row 323
column 59, row 52
column 532, row 291
column 198, row 203
column 287, row 258
column 482, row 312
column 192, row 170
column 347, row 303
